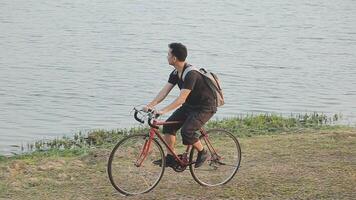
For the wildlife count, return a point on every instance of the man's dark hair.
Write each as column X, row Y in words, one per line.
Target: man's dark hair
column 179, row 51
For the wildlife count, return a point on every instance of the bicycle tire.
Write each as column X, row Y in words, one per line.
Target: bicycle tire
column 125, row 176
column 217, row 171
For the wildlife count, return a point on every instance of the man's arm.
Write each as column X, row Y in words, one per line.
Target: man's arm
column 184, row 93
column 161, row 95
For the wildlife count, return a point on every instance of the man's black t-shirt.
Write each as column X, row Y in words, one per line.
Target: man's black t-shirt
column 201, row 96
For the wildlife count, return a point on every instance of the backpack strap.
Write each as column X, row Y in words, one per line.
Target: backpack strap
column 175, row 72
column 188, row 69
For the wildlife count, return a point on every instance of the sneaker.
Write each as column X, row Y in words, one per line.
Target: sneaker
column 201, row 158
column 170, row 161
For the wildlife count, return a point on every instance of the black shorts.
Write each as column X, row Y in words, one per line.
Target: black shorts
column 192, row 120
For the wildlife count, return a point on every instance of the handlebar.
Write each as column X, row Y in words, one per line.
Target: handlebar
column 151, row 116
column 138, row 119
column 151, row 125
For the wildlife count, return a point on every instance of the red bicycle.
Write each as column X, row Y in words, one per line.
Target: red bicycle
column 131, row 169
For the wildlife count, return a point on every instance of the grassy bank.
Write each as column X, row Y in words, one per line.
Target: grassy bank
column 241, row 126
column 283, row 158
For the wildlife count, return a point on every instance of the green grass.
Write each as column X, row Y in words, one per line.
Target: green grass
column 262, row 124
column 243, row 126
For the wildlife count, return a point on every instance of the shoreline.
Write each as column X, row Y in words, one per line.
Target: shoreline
column 330, row 119
column 244, row 125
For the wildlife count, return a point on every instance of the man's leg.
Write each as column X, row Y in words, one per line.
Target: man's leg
column 198, row 145
column 171, row 140
column 169, row 136
column 170, row 160
column 193, row 123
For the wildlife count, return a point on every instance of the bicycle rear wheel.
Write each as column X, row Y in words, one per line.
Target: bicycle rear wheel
column 223, row 161
column 130, row 171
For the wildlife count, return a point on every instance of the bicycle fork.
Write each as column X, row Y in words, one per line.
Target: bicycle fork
column 145, row 150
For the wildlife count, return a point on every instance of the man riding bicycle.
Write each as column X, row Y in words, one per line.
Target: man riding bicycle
column 196, row 105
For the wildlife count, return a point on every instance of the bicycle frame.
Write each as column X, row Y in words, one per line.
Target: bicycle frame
column 155, row 131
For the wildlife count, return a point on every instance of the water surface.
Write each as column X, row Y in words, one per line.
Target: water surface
column 75, row 66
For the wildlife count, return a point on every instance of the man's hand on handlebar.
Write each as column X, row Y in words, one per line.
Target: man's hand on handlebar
column 152, row 109
column 158, row 112
column 147, row 108
column 152, row 114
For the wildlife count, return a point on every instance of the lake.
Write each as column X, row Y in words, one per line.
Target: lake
column 69, row 66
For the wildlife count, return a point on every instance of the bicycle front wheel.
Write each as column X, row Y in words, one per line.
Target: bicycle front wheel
column 223, row 161
column 130, row 167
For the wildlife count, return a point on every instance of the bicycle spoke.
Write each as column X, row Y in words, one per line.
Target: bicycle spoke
column 222, row 163
column 229, row 165
column 145, row 181
column 204, row 169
